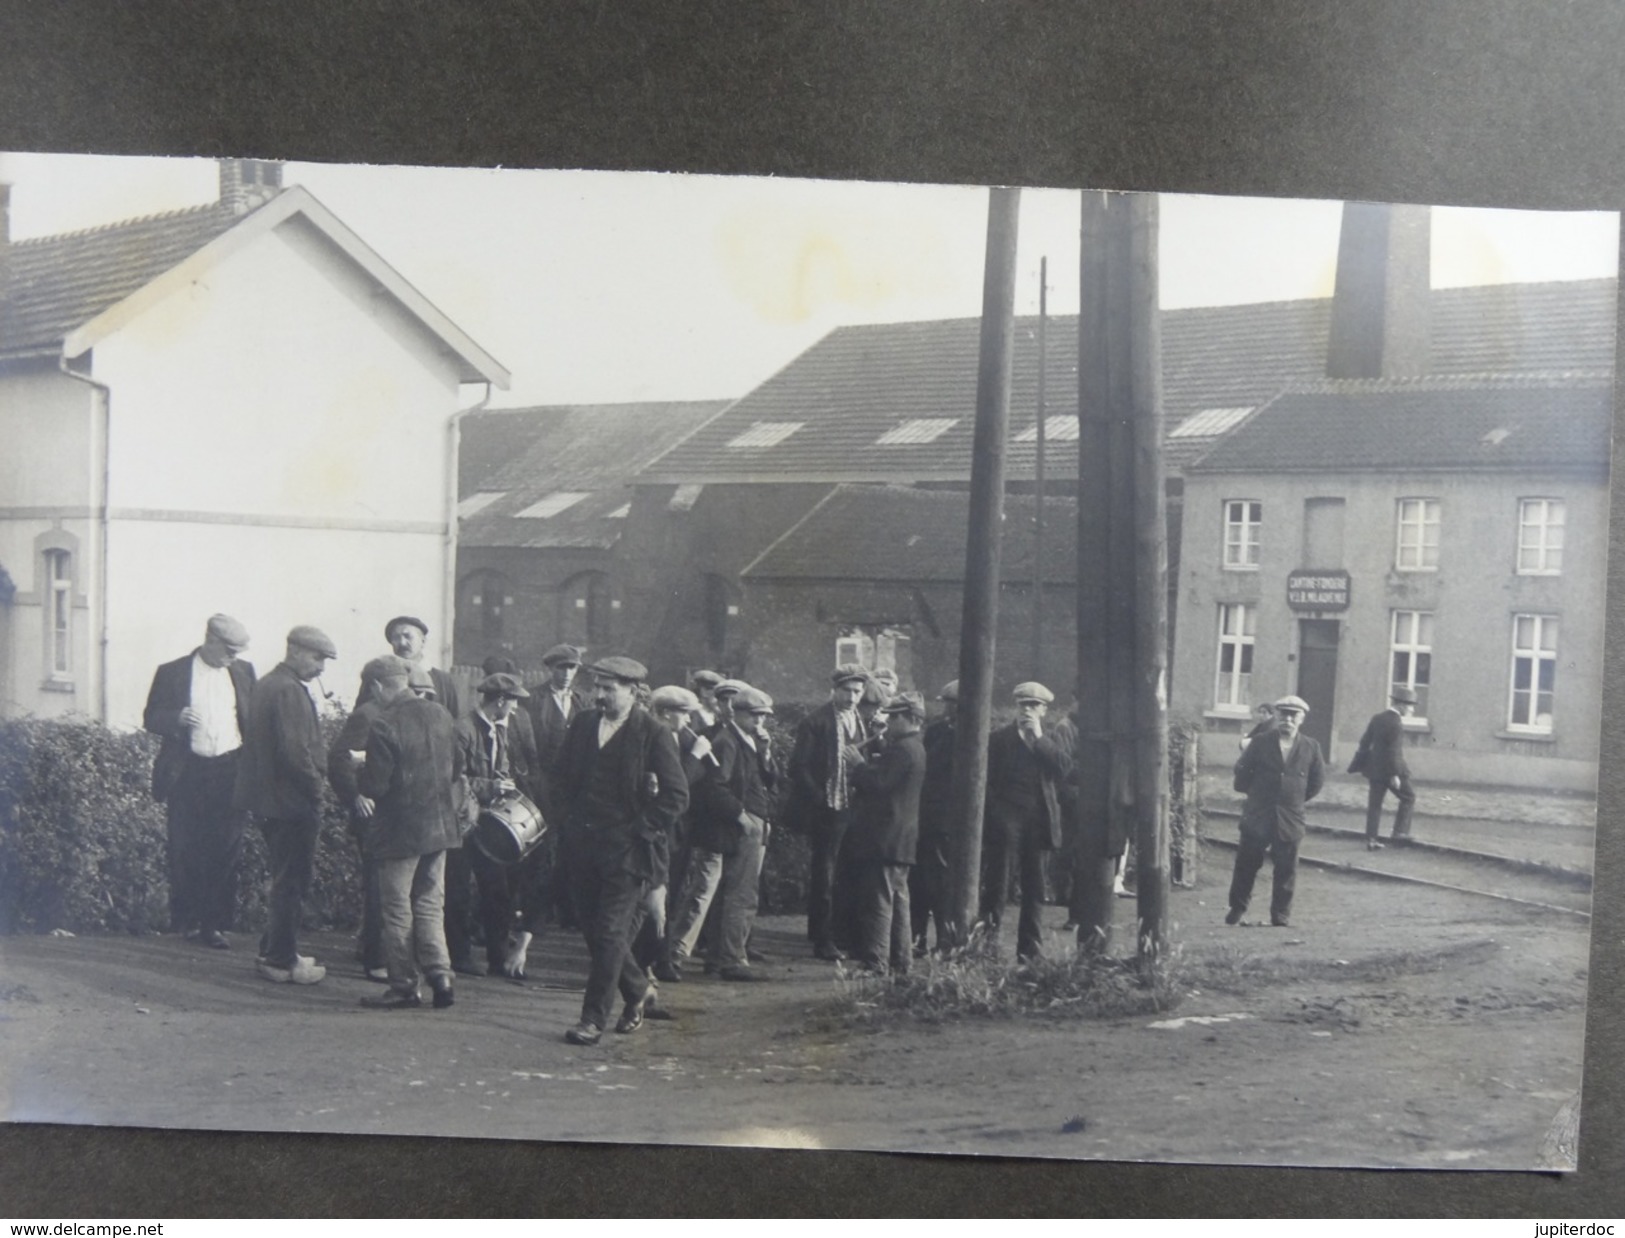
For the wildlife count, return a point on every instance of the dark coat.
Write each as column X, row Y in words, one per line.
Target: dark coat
column 1007, row 758
column 411, row 774
column 280, row 774
column 1278, row 789
column 474, row 736
column 1381, row 754
column 937, row 795
column 812, row 765
column 886, row 803
column 171, row 692
column 445, row 691
column 548, row 727
column 645, row 814
column 352, row 737
column 741, row 780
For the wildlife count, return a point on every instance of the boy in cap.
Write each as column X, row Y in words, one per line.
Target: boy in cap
column 1381, row 758
column 1025, row 769
column 199, row 704
column 1281, row 770
column 279, row 781
column 883, row 835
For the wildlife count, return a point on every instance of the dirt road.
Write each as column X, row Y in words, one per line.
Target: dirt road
column 1388, row 1026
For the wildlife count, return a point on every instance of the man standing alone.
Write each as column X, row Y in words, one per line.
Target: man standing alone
column 199, row 704
column 1280, row 772
column 1381, row 758
column 279, row 780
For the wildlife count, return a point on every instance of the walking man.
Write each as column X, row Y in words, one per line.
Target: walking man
column 1381, row 758
column 1279, row 773
column 279, row 781
column 820, row 791
column 199, row 704
column 411, row 767
column 619, row 786
column 884, row 832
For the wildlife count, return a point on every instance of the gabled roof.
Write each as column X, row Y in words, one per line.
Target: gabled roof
column 859, row 382
column 60, row 295
column 529, row 454
column 893, row 534
column 1525, row 422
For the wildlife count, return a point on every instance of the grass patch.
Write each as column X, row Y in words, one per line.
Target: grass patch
column 1231, row 970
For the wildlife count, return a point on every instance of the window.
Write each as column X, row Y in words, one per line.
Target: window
column 551, row 504
column 765, row 434
column 1242, row 518
column 478, row 502
column 1059, row 429
column 1237, row 624
column 1411, row 655
column 1209, row 422
column 919, row 430
column 1534, row 673
column 880, row 647
column 58, row 599
column 721, row 609
column 484, row 599
column 1418, row 549
column 1540, row 537
column 584, row 610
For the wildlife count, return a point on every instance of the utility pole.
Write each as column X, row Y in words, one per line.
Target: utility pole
column 985, row 533
column 1037, row 665
column 1122, row 564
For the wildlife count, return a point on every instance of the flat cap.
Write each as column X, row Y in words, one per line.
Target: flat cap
column 420, row 681
column 846, row 672
column 228, row 630
column 413, row 620
column 501, row 683
column 875, row 692
column 730, row 687
column 1403, row 695
column 752, row 701
column 1033, row 691
column 564, row 654
column 495, row 663
column 1292, row 702
column 705, row 679
column 905, row 703
column 386, row 666
column 627, row 670
column 313, row 639
column 673, row 697
column 950, row 691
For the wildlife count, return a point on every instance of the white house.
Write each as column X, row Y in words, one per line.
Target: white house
column 238, row 407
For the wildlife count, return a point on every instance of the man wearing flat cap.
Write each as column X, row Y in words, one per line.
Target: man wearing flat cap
column 1279, row 773
column 1381, row 758
column 821, row 800
column 406, row 634
column 928, row 880
column 883, row 835
column 199, row 704
column 618, row 787
column 1025, row 770
column 704, row 685
column 279, row 781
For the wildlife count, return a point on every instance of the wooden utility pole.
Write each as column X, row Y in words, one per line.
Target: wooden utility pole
column 1122, row 562
column 981, row 606
column 1036, row 666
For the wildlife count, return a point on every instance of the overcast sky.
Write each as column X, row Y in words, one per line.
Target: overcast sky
column 601, row 286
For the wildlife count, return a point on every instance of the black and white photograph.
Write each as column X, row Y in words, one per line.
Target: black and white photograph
column 654, row 658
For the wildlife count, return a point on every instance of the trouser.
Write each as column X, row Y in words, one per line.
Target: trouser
column 411, row 911
column 649, row 937
column 1401, row 787
column 928, row 894
column 290, row 847
column 459, row 914
column 510, row 897
column 205, row 843
column 607, row 899
column 827, row 829
column 1283, row 855
column 700, row 887
column 884, row 914
column 741, row 877
column 1010, row 847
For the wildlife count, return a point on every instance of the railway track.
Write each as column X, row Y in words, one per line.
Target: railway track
column 1563, row 889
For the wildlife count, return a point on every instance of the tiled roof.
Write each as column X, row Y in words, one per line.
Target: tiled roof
column 860, row 381
column 52, row 285
column 901, row 534
column 531, row 453
column 1559, row 421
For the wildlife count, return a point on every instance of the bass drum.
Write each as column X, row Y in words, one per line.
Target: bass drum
column 508, row 830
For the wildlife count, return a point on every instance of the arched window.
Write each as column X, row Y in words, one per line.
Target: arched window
column 721, row 610
column 483, row 600
column 584, row 610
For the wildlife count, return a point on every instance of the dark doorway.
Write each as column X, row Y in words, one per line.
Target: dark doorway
column 1317, row 677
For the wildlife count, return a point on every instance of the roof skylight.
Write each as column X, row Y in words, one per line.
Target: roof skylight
column 552, row 504
column 478, row 502
column 1059, row 429
column 1208, row 422
column 918, row 430
column 767, row 434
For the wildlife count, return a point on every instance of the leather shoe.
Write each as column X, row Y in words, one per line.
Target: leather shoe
column 1233, row 916
column 470, row 967
column 669, row 971
column 443, row 994
column 378, row 973
column 632, row 1017
column 215, row 940
column 1280, row 922
column 584, row 1034
column 1371, row 844
column 393, row 1000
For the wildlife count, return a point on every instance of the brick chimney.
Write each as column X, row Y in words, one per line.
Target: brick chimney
column 246, row 184
column 1379, row 323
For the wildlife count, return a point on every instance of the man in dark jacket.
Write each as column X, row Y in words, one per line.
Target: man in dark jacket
column 618, row 786
column 345, row 756
column 820, row 798
column 552, row 707
column 406, row 635
column 1381, row 758
column 1025, row 768
column 199, row 704
column 1279, row 773
column 279, row 781
column 928, row 879
column 884, row 832
column 411, row 768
